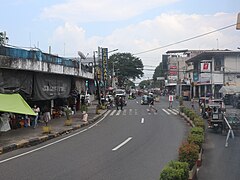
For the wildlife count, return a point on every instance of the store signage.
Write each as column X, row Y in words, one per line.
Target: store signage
column 205, row 67
column 105, row 63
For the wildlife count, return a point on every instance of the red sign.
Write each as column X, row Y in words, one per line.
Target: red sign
column 205, row 67
column 172, row 72
column 173, row 67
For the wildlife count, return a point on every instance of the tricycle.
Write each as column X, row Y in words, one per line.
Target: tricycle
column 215, row 117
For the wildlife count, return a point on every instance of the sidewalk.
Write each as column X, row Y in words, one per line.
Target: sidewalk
column 22, row 137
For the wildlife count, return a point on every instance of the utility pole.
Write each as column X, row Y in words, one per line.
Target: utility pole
column 96, row 78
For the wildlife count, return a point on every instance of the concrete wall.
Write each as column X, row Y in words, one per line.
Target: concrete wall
column 33, row 65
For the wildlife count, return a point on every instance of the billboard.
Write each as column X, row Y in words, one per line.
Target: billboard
column 205, row 67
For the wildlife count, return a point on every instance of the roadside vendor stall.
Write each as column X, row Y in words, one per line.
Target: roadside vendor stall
column 13, row 109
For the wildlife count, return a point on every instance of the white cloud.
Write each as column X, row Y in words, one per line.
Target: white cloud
column 153, row 33
column 104, row 10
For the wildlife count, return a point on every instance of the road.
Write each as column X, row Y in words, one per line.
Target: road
column 220, row 162
column 129, row 144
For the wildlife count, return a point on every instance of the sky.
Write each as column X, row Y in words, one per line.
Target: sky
column 132, row 26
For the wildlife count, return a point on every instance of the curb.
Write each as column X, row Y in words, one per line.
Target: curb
column 45, row 137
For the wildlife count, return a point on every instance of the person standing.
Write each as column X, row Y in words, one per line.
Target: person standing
column 117, row 101
column 36, row 109
column 121, row 102
column 192, row 103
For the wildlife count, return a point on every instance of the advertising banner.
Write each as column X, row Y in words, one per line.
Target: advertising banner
column 205, row 67
column 51, row 86
column 105, row 63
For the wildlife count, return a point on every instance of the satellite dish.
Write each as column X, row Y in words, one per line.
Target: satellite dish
column 82, row 56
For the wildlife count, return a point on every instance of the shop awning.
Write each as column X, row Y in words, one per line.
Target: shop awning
column 230, row 89
column 15, row 103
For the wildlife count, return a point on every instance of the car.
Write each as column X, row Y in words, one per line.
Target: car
column 144, row 100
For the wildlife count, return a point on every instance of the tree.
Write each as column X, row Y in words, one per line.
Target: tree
column 145, row 84
column 159, row 72
column 125, row 66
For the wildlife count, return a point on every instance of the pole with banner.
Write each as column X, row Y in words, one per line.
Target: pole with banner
column 105, row 68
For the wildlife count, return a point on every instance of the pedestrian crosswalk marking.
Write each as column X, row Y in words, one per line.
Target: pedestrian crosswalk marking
column 112, row 112
column 124, row 112
column 175, row 111
column 166, row 111
column 130, row 111
column 118, row 112
column 135, row 112
column 172, row 112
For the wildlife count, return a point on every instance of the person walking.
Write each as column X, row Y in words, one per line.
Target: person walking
column 151, row 104
column 36, row 109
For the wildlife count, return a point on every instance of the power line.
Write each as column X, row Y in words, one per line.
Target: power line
column 188, row 39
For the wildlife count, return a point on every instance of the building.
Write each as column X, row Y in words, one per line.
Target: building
column 43, row 78
column 176, row 70
column 213, row 69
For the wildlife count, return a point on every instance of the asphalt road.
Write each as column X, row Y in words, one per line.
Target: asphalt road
column 220, row 162
column 131, row 144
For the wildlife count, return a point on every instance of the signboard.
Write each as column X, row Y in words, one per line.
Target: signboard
column 195, row 76
column 205, row 67
column 173, row 67
column 170, row 98
column 160, row 78
column 173, row 72
column 105, row 63
column 205, row 78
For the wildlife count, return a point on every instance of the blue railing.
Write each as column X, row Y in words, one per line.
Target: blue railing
column 38, row 55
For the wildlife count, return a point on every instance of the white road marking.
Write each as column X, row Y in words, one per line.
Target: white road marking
column 58, row 141
column 166, row 111
column 172, row 111
column 124, row 112
column 142, row 121
column 122, row 144
column 113, row 112
column 176, row 111
column 130, row 111
column 118, row 112
column 136, row 112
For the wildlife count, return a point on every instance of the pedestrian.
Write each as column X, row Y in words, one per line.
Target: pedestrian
column 46, row 115
column 121, row 102
column 117, row 101
column 151, row 104
column 85, row 117
column 36, row 109
column 170, row 98
column 192, row 103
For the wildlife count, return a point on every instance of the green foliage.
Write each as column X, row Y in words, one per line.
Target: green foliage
column 188, row 152
column 126, row 66
column 181, row 108
column 145, row 84
column 197, row 130
column 199, row 123
column 187, row 112
column 192, row 115
column 196, row 139
column 180, row 99
column 175, row 170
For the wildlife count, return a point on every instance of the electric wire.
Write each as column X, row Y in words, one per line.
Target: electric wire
column 185, row 40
